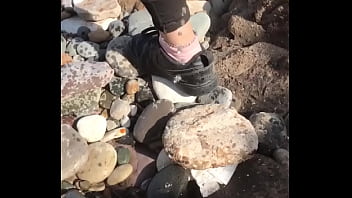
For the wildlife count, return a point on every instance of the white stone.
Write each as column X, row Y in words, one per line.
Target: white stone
column 125, row 121
column 119, row 108
column 115, row 133
column 201, row 24
column 165, row 89
column 71, row 25
column 92, row 128
column 133, row 111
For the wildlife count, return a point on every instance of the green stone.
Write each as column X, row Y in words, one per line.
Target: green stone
column 117, row 86
column 123, row 156
column 106, row 99
column 83, row 103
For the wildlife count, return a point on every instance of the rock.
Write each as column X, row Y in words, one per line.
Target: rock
column 63, row 44
column 83, row 32
column 73, row 194
column 66, row 185
column 115, row 133
column 132, row 87
column 184, row 105
column 125, row 121
column 114, row 56
column 66, row 3
column 71, row 25
column 198, row 6
column 271, row 132
column 83, row 185
column 133, row 111
column 81, row 104
column 88, row 49
column 101, row 162
column 92, row 128
column 220, row 95
column 104, row 113
column 165, row 89
column 163, row 160
column 172, row 180
column 99, row 36
column 116, row 28
column 259, row 54
column 69, row 119
column 65, row 58
column 112, row 124
column 65, row 15
column 128, row 98
column 70, row 49
column 246, row 32
column 77, row 58
column 287, row 122
column 117, row 86
column 97, row 10
column 74, row 151
column 209, row 136
column 138, row 21
column 129, row 6
column 97, row 187
column 281, row 156
column 106, row 99
column 81, row 76
column 144, row 95
column 120, row 174
column 143, row 167
column 119, row 108
column 151, row 122
column 208, row 180
column 123, row 156
column 259, row 176
column 201, row 24
column 219, row 7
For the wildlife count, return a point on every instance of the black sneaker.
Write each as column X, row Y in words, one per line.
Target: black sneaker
column 197, row 77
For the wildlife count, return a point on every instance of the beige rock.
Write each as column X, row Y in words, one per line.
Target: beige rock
column 209, row 136
column 96, row 10
column 120, row 174
column 101, row 162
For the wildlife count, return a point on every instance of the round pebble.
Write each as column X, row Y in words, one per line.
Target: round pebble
column 125, row 121
column 133, row 111
column 117, row 86
column 97, row 187
column 119, row 108
column 88, row 49
column 70, row 49
column 115, row 133
column 129, row 98
column 74, row 151
column 98, row 36
column 77, row 58
column 92, row 127
column 112, row 124
column 63, row 44
column 281, row 156
column 116, row 28
column 123, row 156
column 101, row 162
column 120, row 174
column 132, row 87
column 163, row 160
column 83, row 32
